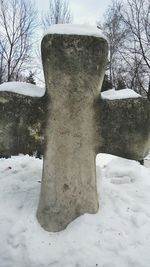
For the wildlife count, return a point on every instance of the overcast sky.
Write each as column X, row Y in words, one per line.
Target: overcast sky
column 84, row 11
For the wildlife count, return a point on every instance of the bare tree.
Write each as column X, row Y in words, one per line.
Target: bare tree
column 58, row 13
column 127, row 27
column 17, row 25
column 2, row 60
column 115, row 31
column 136, row 16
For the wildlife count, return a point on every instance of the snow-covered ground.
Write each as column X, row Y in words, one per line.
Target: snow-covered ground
column 118, row 235
column 147, row 161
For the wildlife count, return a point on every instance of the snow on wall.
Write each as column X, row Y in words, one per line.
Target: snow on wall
column 23, row 88
column 119, row 94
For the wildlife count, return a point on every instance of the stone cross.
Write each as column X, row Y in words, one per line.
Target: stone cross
column 79, row 125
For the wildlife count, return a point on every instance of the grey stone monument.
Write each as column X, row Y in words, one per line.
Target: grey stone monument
column 79, row 126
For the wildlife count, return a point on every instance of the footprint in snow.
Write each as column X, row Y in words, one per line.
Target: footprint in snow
column 121, row 180
column 16, row 235
column 23, row 165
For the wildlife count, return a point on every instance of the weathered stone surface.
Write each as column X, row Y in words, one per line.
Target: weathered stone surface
column 22, row 124
column 74, row 69
column 123, row 127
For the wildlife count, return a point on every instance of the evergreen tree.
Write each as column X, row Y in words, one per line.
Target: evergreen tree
column 30, row 78
column 106, row 84
column 120, row 84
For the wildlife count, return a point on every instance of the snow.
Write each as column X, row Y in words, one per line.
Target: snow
column 147, row 161
column 119, row 94
column 148, row 156
column 23, row 88
column 74, row 29
column 118, row 235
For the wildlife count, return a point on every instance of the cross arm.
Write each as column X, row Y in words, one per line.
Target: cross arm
column 124, row 127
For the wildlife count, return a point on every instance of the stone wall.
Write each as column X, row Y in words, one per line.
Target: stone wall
column 21, row 124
